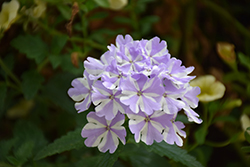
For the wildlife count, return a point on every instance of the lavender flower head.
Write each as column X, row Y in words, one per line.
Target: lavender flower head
column 137, row 80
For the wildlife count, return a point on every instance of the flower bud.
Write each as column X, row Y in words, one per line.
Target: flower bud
column 8, row 14
column 117, row 4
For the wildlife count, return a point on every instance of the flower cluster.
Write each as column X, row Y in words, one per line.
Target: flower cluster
column 140, row 80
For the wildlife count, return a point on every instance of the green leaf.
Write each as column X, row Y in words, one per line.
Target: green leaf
column 55, row 60
column 123, row 20
column 3, row 90
column 26, row 131
column 32, row 46
column 175, row 153
column 24, row 151
column 246, row 149
column 226, row 118
column 14, row 161
column 99, row 15
column 107, row 159
column 56, row 91
column 58, row 42
column 247, row 135
column 72, row 140
column 140, row 157
column 102, row 3
column 244, row 60
column 6, row 147
column 32, row 81
column 65, row 11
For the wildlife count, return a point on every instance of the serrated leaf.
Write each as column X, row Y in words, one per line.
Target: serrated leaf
column 13, row 160
column 175, row 153
column 32, row 46
column 26, row 131
column 72, row 140
column 24, row 151
column 6, row 147
column 32, row 81
column 102, row 3
column 58, row 42
column 108, row 159
column 245, row 149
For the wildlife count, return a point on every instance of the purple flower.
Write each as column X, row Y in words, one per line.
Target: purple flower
column 170, row 100
column 147, row 128
column 173, row 132
column 120, row 41
column 129, row 58
column 95, row 67
column 155, row 51
column 81, row 92
column 175, row 72
column 143, row 93
column 113, row 77
column 102, row 133
column 191, row 100
column 108, row 101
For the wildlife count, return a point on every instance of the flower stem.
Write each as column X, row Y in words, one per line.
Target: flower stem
column 8, row 72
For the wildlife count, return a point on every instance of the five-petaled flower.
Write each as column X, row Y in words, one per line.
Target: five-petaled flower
column 103, row 133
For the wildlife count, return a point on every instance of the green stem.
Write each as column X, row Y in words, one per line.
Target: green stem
column 41, row 65
column 8, row 72
column 77, row 39
column 88, row 42
column 217, row 144
column 226, row 15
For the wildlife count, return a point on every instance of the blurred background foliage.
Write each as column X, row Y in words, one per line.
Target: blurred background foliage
column 43, row 48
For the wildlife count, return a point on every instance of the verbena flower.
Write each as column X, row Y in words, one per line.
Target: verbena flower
column 81, row 92
column 141, row 93
column 103, row 133
column 147, row 127
column 137, row 79
column 210, row 88
column 8, row 14
column 107, row 101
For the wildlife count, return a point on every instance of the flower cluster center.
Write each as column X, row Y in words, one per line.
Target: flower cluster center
column 111, row 97
column 139, row 93
column 147, row 119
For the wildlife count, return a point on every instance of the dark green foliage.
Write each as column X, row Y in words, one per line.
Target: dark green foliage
column 32, row 46
column 31, row 83
column 72, row 140
column 175, row 153
column 37, row 67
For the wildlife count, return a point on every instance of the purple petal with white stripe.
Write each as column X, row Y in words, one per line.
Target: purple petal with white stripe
column 81, row 92
column 173, row 132
column 102, row 133
column 107, row 101
column 147, row 128
column 143, row 93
